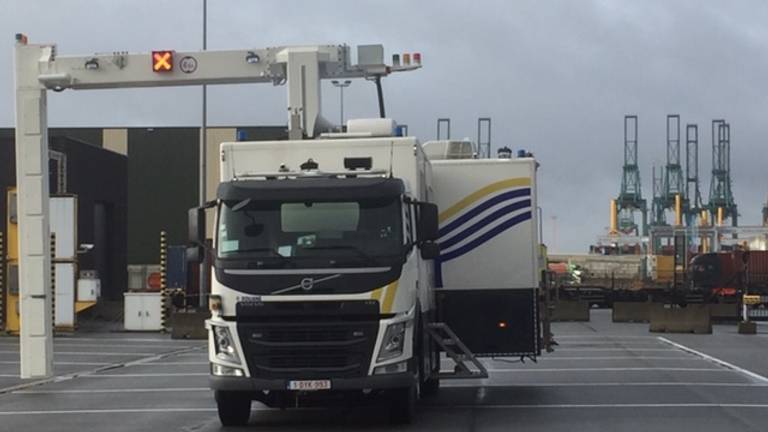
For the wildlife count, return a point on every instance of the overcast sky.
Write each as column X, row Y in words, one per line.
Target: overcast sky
column 556, row 77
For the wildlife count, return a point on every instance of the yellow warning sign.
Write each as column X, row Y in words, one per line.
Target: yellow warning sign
column 751, row 299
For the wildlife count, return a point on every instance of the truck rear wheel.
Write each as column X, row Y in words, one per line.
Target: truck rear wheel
column 402, row 407
column 234, row 408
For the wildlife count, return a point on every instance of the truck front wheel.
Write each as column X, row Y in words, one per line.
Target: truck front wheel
column 234, row 408
column 403, row 405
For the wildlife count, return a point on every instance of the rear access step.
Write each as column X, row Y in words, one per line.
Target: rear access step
column 458, row 352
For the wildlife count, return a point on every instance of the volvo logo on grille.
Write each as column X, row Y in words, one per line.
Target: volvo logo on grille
column 307, row 284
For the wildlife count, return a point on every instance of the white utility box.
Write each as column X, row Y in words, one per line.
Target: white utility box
column 143, row 311
column 88, row 289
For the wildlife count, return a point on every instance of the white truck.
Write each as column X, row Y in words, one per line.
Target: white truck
column 334, row 273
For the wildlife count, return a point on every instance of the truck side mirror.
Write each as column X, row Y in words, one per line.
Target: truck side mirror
column 196, row 226
column 430, row 250
column 427, row 226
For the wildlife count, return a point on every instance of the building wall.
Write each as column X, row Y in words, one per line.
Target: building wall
column 159, row 182
column 99, row 178
column 162, row 185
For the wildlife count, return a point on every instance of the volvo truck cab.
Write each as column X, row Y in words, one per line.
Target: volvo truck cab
column 320, row 275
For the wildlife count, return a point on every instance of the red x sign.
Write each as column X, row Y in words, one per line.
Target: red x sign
column 162, row 61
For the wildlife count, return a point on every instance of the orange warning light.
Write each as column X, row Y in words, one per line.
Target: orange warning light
column 162, row 61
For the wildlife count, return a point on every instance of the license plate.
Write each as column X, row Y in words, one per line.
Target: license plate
column 309, row 385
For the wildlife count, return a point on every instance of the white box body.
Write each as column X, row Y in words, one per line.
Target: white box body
column 390, row 154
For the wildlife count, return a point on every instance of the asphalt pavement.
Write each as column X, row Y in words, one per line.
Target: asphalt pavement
column 603, row 377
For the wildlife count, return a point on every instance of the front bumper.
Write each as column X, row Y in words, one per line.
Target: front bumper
column 374, row 382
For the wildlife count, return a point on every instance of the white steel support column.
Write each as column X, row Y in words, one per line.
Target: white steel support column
column 304, row 85
column 36, row 341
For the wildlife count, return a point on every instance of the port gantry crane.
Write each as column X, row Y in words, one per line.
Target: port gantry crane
column 669, row 191
column 630, row 199
column 721, row 204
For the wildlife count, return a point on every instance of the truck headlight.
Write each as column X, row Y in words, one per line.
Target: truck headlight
column 393, row 343
column 225, row 348
column 221, row 370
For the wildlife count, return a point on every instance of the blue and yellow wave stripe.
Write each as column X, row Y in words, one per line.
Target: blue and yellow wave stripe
column 450, row 233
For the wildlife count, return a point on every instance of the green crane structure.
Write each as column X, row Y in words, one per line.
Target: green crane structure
column 721, row 202
column 630, row 200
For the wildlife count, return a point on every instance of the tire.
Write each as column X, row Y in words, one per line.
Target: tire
column 402, row 407
column 430, row 387
column 234, row 408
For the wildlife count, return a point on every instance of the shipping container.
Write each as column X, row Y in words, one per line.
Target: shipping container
column 731, row 271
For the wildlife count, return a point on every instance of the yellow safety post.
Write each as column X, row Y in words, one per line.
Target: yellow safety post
column 614, row 219
column 12, row 314
column 704, row 240
column 163, row 281
column 678, row 210
column 720, row 216
column 2, row 282
column 53, row 280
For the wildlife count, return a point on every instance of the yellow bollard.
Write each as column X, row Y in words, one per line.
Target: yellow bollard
column 2, row 282
column 53, row 280
column 163, row 281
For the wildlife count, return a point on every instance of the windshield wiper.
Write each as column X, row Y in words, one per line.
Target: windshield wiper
column 356, row 250
column 272, row 251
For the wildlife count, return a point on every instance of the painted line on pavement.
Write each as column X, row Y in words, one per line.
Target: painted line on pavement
column 74, row 339
column 598, row 406
column 114, row 390
column 147, row 375
column 472, row 383
column 432, row 407
column 81, row 374
column 117, row 411
column 613, row 369
column 191, row 363
column 61, row 363
column 619, row 358
column 609, row 342
column 723, row 363
column 616, row 349
column 593, row 336
column 87, row 353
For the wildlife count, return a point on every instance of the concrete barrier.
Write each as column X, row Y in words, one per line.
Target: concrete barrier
column 747, row 327
column 724, row 311
column 189, row 324
column 694, row 318
column 631, row 312
column 571, row 310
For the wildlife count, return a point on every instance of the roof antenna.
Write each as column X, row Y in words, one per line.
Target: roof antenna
column 391, row 157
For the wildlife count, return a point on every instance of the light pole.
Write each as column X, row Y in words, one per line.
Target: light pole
column 203, row 157
column 341, row 85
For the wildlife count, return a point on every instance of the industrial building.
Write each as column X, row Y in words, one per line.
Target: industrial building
column 130, row 183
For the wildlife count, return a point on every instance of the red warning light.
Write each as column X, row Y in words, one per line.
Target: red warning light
column 162, row 61
column 502, row 324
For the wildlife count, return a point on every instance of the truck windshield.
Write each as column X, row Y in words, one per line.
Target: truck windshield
column 347, row 232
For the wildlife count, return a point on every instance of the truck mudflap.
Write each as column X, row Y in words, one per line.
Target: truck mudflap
column 374, row 382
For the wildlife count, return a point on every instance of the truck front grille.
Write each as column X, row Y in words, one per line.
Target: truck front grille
column 313, row 349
